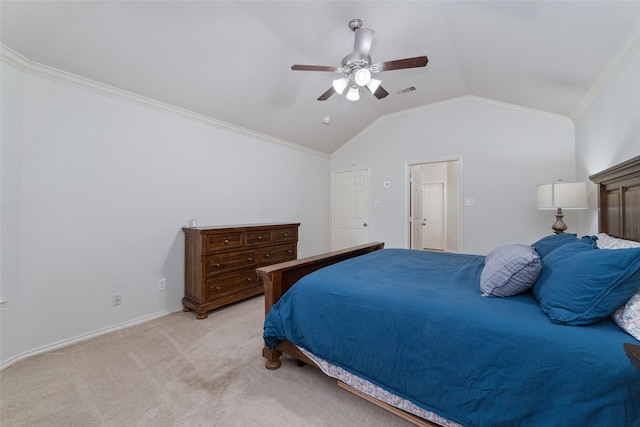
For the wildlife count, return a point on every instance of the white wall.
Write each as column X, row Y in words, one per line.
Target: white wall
column 95, row 191
column 506, row 151
column 453, row 208
column 11, row 130
column 608, row 132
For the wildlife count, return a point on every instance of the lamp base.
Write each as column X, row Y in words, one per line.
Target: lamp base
column 559, row 227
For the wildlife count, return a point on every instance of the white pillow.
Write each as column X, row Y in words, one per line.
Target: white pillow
column 628, row 316
column 608, row 242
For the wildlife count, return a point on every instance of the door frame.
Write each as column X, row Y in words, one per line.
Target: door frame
column 332, row 207
column 412, row 206
column 407, row 198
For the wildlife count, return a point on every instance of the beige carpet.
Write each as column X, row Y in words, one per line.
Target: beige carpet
column 178, row 371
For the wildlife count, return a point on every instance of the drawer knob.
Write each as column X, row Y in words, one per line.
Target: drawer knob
column 218, row 265
column 249, row 279
column 286, row 234
column 249, row 259
column 289, row 251
column 217, row 288
column 226, row 241
column 259, row 237
column 267, row 255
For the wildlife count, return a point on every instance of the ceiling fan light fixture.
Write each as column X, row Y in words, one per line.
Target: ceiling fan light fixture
column 373, row 85
column 339, row 85
column 362, row 77
column 353, row 94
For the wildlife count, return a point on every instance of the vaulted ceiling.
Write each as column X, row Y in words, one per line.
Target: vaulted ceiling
column 230, row 61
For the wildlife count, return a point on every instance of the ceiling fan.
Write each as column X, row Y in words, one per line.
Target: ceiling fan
column 357, row 67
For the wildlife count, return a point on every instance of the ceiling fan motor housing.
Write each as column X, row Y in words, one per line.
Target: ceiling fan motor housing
column 352, row 63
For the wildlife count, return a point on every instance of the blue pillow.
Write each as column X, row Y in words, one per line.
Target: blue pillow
column 509, row 270
column 580, row 284
column 549, row 243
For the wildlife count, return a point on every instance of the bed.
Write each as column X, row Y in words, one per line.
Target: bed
column 412, row 331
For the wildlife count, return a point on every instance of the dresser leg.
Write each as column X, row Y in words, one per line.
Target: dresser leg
column 185, row 309
column 202, row 315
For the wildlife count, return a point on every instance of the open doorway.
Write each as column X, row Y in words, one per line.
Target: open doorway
column 434, row 206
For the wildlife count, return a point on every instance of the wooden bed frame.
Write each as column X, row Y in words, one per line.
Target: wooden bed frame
column 278, row 278
column 619, row 213
column 619, row 216
column 619, row 200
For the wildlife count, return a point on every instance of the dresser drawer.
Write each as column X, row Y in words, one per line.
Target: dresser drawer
column 275, row 254
column 258, row 237
column 228, row 261
column 216, row 242
column 285, row 235
column 230, row 284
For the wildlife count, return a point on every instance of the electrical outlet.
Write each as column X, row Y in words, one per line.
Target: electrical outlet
column 162, row 284
column 116, row 300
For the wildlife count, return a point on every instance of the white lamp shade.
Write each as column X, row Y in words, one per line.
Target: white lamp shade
column 373, row 85
column 564, row 195
column 339, row 85
column 353, row 94
column 362, row 77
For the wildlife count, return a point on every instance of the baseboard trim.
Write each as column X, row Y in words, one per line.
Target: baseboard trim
column 85, row 337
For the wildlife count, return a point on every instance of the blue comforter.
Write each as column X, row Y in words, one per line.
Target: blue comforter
column 415, row 324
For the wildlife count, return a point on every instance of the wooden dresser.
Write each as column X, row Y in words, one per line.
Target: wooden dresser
column 221, row 262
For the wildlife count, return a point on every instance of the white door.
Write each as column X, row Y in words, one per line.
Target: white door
column 350, row 209
column 416, row 220
column 433, row 216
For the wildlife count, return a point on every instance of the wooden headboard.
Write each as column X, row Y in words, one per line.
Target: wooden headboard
column 619, row 213
column 619, row 200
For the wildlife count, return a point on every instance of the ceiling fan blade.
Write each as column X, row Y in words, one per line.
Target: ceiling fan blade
column 398, row 64
column 313, row 68
column 327, row 94
column 362, row 45
column 380, row 92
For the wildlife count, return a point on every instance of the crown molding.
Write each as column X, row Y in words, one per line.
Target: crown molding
column 628, row 49
column 34, row 68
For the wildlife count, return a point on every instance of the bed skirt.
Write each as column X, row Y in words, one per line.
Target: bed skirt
column 376, row 392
